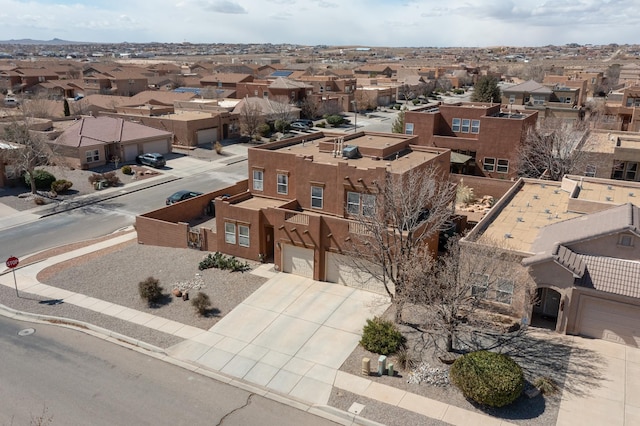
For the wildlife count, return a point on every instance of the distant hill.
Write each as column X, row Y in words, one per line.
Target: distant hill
column 54, row 42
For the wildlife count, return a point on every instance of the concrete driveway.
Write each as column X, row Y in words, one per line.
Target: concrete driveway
column 291, row 335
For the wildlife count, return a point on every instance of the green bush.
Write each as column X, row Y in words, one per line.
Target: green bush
column 381, row 337
column 43, row 179
column 126, row 169
column 61, row 185
column 488, row 378
column 150, row 290
column 335, row 120
column 264, row 129
column 220, row 261
column 322, row 124
column 202, row 303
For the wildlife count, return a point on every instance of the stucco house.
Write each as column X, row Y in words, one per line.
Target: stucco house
column 579, row 242
column 297, row 208
column 94, row 141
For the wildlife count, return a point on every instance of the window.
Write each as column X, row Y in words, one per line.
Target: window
column 364, row 204
column 512, row 99
column 489, row 164
column 258, row 180
column 503, row 166
column 466, row 123
column 368, row 204
column 353, row 202
column 283, row 183
column 255, row 93
column 408, row 129
column 538, row 100
column 475, row 126
column 93, row 155
column 229, row 233
column 626, row 240
column 633, row 102
column 265, row 94
column 590, row 170
column 631, row 171
column 479, row 286
column 243, row 235
column 504, row 291
column 317, row 193
column 455, row 125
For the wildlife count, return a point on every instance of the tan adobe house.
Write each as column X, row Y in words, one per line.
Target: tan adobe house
column 620, row 110
column 557, row 101
column 94, row 141
column 483, row 138
column 579, row 240
column 629, row 75
column 613, row 155
column 280, row 88
column 23, row 79
column 296, row 207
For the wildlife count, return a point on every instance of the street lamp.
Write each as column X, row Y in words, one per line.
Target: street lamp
column 355, row 116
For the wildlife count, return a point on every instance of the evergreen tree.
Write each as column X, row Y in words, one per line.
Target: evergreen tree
column 486, row 90
column 67, row 111
column 398, row 124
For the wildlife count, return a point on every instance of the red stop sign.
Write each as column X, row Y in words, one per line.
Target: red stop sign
column 12, row 262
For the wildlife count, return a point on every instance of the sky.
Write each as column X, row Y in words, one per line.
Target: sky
column 392, row 23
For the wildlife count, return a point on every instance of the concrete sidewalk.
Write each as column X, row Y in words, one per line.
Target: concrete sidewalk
column 291, row 336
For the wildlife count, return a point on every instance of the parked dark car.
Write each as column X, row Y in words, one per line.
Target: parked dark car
column 152, row 159
column 181, row 196
column 306, row 122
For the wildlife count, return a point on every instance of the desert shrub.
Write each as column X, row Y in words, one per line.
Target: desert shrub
column 43, row 179
column 150, row 290
column 322, row 124
column 61, row 185
column 126, row 169
column 95, row 177
column 546, row 385
column 112, row 178
column 264, row 129
column 405, row 359
column 415, row 101
column 218, row 147
column 335, row 120
column 488, row 378
column 202, row 303
column 220, row 261
column 39, row 201
column 381, row 337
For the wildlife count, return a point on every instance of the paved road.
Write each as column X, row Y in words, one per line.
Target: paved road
column 103, row 218
column 82, row 380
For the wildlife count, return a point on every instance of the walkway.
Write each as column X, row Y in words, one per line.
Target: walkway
column 291, row 336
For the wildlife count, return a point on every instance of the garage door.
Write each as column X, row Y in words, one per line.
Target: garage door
column 160, row 146
column 298, row 260
column 614, row 321
column 207, row 135
column 343, row 270
column 130, row 152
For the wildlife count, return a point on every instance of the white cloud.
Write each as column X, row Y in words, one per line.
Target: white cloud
column 365, row 22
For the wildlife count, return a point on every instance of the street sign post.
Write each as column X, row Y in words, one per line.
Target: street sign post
column 11, row 263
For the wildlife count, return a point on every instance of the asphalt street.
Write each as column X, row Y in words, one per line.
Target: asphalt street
column 66, row 377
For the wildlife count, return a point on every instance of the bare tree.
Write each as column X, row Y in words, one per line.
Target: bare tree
column 553, row 149
column 466, row 281
column 250, row 118
column 397, row 222
column 33, row 148
column 311, row 107
column 281, row 112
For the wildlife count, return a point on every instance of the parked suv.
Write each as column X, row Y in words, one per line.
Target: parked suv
column 152, row 159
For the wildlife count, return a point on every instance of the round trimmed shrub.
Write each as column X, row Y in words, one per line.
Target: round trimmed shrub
column 126, row 169
column 381, row 337
column 488, row 378
column 43, row 178
column 61, row 185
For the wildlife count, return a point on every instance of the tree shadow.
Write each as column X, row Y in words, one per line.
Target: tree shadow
column 212, row 313
column 163, row 300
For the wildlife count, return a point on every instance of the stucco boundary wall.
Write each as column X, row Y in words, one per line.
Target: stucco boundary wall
column 169, row 226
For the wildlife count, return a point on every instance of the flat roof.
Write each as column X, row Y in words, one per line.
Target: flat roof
column 257, row 203
column 403, row 162
column 534, row 204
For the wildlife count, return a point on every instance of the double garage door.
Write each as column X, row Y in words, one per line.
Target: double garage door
column 609, row 320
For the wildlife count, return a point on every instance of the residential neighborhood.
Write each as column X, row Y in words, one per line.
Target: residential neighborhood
column 335, row 229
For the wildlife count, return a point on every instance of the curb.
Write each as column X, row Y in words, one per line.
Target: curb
column 324, row 411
